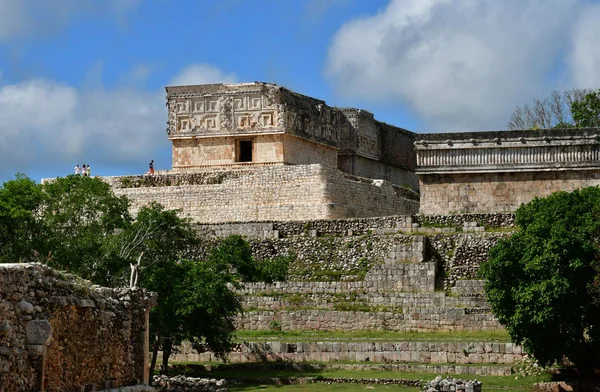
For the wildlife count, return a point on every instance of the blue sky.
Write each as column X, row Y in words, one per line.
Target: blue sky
column 82, row 81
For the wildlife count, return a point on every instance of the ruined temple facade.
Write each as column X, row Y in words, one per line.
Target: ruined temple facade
column 261, row 124
column 484, row 172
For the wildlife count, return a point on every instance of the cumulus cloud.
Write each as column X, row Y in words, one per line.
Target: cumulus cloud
column 465, row 64
column 31, row 17
column 201, row 74
column 50, row 124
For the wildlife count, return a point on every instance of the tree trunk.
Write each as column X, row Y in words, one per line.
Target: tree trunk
column 167, row 346
column 153, row 362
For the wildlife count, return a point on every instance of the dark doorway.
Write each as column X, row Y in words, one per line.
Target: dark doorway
column 245, row 151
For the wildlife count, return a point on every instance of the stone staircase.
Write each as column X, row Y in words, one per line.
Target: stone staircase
column 397, row 294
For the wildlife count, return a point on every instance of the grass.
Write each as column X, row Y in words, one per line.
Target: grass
column 383, row 336
column 322, row 387
column 490, row 383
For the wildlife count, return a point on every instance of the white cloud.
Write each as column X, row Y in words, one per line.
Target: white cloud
column 47, row 124
column 201, row 74
column 32, row 17
column 465, row 64
column 584, row 61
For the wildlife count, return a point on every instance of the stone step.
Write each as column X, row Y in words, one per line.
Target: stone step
column 403, row 276
column 410, row 320
column 419, row 277
column 392, row 300
column 447, row 353
column 469, row 287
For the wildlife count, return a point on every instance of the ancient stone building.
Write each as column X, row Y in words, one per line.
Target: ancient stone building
column 260, row 152
column 251, row 124
column 483, row 172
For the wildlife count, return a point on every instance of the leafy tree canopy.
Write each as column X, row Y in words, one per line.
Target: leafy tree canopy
column 542, row 281
column 586, row 111
column 77, row 224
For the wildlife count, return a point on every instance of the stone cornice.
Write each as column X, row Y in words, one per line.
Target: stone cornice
column 508, row 151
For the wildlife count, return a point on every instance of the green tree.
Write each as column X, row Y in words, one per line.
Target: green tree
column 586, row 111
column 19, row 219
column 542, row 281
column 77, row 224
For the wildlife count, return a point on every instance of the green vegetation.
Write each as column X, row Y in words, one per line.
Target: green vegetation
column 77, row 225
column 586, row 111
column 234, row 371
column 543, row 281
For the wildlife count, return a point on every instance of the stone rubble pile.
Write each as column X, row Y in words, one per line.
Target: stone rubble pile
column 133, row 388
column 189, row 384
column 450, row 384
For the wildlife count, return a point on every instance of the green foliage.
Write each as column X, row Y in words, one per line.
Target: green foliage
column 235, row 252
column 19, row 219
column 63, row 223
column 275, row 326
column 77, row 224
column 586, row 111
column 542, row 281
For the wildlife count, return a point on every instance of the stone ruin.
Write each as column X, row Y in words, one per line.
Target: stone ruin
column 61, row 333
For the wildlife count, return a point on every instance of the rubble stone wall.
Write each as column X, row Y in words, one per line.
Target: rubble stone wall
column 83, row 334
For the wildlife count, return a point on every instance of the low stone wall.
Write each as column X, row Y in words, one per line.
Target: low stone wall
column 404, row 276
column 189, row 384
column 389, row 300
column 488, row 220
column 411, row 320
column 456, row 353
column 352, row 227
column 277, row 193
column 67, row 333
column 440, row 384
column 312, row 228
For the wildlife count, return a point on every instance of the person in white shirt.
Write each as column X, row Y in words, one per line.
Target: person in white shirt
column 77, row 170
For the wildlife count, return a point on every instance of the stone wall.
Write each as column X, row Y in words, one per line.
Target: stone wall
column 496, row 192
column 300, row 151
column 282, row 193
column 482, row 172
column 459, row 353
column 369, row 168
column 411, row 320
column 61, row 331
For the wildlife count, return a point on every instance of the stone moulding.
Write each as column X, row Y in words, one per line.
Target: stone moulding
column 508, row 151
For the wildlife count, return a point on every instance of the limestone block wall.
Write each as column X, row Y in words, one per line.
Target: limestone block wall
column 66, row 333
column 369, row 168
column 483, row 172
column 352, row 197
column 390, row 300
column 284, row 193
column 217, row 151
column 458, row 353
column 496, row 192
column 299, row 151
column 411, row 320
